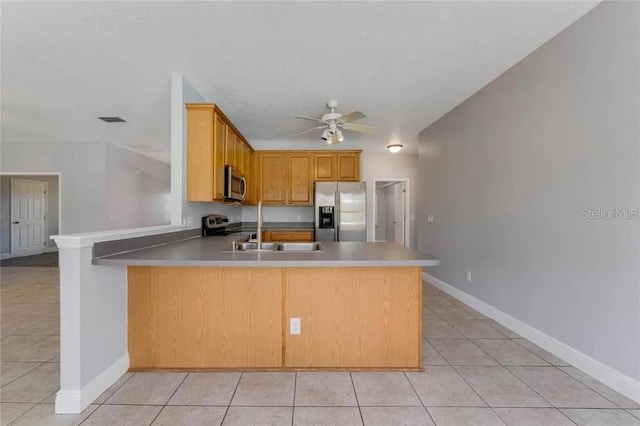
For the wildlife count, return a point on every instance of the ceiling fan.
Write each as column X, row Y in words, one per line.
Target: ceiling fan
column 333, row 122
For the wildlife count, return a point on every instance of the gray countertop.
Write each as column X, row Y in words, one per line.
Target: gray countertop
column 209, row 251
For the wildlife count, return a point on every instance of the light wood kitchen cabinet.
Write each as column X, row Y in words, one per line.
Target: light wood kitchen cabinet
column 300, row 178
column 301, row 169
column 212, row 142
column 354, row 317
column 230, row 147
column 272, row 176
column 238, row 155
column 284, row 236
column 237, row 318
column 248, row 171
column 342, row 166
column 188, row 317
column 325, row 166
column 286, row 177
column 347, row 166
column 218, row 158
column 206, row 134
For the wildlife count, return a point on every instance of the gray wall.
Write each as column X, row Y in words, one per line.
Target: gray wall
column 5, row 208
column 82, row 178
column 137, row 189
column 506, row 175
column 99, row 186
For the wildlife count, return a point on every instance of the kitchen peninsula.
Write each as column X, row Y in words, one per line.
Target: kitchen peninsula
column 194, row 304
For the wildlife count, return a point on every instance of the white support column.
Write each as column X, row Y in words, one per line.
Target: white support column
column 68, row 398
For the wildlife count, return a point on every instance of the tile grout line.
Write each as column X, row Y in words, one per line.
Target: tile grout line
column 22, row 415
column 293, row 410
column 464, row 380
column 232, row 396
column 19, row 377
column 589, row 387
column 510, row 372
column 116, row 390
column 418, row 395
column 169, row 399
column 355, row 392
column 100, row 404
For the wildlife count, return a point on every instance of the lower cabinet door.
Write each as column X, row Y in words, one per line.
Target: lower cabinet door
column 354, row 317
column 187, row 317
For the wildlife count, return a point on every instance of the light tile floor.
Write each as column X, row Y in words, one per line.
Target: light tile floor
column 476, row 373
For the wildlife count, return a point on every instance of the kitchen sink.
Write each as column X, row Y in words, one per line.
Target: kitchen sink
column 251, row 246
column 275, row 247
column 298, row 247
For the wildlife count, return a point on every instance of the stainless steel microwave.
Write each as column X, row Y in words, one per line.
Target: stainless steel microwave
column 235, row 185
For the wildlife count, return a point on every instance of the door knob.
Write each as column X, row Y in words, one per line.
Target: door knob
column 15, row 223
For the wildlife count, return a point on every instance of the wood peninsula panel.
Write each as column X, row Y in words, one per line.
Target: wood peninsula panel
column 354, row 317
column 205, row 317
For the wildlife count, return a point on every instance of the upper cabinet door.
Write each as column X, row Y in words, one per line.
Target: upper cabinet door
column 325, row 167
column 272, row 178
column 229, row 147
column 238, row 159
column 247, row 171
column 300, row 179
column 348, row 167
column 218, row 157
column 200, row 135
column 212, row 142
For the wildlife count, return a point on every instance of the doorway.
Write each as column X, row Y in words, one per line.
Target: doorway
column 29, row 215
column 391, row 211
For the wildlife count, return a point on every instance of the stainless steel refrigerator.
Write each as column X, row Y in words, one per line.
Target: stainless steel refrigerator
column 341, row 211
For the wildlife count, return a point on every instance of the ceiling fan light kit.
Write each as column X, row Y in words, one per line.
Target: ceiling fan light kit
column 396, row 147
column 333, row 123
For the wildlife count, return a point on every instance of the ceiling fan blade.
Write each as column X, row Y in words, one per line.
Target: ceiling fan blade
column 359, row 128
column 309, row 130
column 319, row 120
column 352, row 116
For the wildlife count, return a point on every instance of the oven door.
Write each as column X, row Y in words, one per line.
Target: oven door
column 235, row 185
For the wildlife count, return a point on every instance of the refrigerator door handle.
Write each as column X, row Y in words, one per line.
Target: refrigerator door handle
column 336, row 236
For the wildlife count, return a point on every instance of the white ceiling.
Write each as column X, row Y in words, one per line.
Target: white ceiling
column 403, row 64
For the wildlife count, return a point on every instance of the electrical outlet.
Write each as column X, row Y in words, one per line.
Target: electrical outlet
column 469, row 276
column 295, row 326
column 430, row 218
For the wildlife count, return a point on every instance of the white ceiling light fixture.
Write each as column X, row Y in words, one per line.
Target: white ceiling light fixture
column 395, row 147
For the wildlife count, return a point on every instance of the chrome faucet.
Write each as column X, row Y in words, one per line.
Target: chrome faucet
column 259, row 235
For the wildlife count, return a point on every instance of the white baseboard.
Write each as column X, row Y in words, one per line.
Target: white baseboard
column 74, row 401
column 51, row 249
column 5, row 256
column 611, row 377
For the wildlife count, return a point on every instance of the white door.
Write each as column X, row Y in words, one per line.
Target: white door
column 28, row 217
column 398, row 210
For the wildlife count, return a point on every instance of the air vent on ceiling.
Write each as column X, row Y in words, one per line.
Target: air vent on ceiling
column 112, row 119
